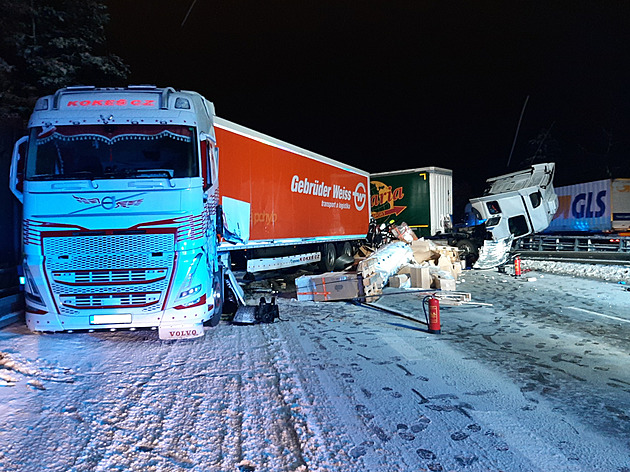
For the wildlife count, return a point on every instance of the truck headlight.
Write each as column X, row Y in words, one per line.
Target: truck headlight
column 186, row 288
column 190, row 291
column 30, row 288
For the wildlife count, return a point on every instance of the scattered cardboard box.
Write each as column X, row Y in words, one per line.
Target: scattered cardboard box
column 329, row 286
column 424, row 250
column 404, row 233
column 305, row 288
column 399, row 280
column 420, row 276
column 443, row 283
column 332, row 286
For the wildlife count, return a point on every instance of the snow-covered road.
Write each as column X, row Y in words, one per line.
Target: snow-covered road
column 538, row 381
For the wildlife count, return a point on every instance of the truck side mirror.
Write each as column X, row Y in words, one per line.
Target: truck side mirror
column 16, row 175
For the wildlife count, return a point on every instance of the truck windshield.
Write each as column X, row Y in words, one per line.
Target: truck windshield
column 111, row 151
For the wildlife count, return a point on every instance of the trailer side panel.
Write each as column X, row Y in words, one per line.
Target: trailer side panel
column 293, row 193
column 421, row 197
column 620, row 200
column 583, row 208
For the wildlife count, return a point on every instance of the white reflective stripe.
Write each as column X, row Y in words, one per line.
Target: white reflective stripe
column 271, row 263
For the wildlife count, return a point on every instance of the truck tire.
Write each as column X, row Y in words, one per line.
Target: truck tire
column 329, row 255
column 346, row 249
column 468, row 251
column 219, row 292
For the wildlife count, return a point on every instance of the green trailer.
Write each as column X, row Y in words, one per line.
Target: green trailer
column 422, row 198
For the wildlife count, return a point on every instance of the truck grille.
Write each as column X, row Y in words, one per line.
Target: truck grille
column 109, row 277
column 112, row 244
column 126, row 300
column 110, row 271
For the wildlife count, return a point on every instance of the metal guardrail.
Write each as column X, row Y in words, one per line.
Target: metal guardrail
column 584, row 257
column 543, row 243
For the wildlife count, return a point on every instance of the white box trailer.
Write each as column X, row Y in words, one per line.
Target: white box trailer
column 422, row 198
column 601, row 206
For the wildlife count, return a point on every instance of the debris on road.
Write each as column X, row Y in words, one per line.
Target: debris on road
column 419, row 264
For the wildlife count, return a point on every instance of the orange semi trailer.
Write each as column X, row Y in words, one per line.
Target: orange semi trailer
column 287, row 206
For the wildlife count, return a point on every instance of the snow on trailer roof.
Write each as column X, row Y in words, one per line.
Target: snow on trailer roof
column 263, row 138
column 538, row 175
column 430, row 170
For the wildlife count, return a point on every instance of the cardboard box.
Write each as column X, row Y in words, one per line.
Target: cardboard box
column 332, row 286
column 457, row 270
column 305, row 288
column 398, row 281
column 423, row 250
column 420, row 277
column 375, row 280
column 445, row 284
column 444, row 264
column 404, row 233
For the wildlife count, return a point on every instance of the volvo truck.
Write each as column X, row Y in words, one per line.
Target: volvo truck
column 137, row 202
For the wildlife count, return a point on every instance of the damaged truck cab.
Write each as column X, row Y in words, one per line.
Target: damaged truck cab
column 513, row 206
column 518, row 204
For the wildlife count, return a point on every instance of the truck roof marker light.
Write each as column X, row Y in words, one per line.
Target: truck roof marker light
column 182, row 103
column 42, row 104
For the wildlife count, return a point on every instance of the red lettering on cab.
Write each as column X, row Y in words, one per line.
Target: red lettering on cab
column 121, row 102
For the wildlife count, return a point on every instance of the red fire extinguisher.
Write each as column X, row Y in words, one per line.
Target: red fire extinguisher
column 434, row 315
column 517, row 266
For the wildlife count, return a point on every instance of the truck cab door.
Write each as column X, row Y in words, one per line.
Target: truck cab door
column 506, row 215
column 16, row 175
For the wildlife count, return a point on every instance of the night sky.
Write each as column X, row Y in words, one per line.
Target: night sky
column 387, row 85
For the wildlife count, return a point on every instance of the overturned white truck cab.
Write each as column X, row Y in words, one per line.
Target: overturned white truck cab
column 520, row 203
column 513, row 206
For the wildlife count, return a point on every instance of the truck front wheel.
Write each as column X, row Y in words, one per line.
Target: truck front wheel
column 218, row 294
column 468, row 251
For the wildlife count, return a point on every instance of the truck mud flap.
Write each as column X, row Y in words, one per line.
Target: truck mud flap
column 189, row 331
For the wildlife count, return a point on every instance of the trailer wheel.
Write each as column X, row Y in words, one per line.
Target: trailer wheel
column 329, row 255
column 346, row 249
